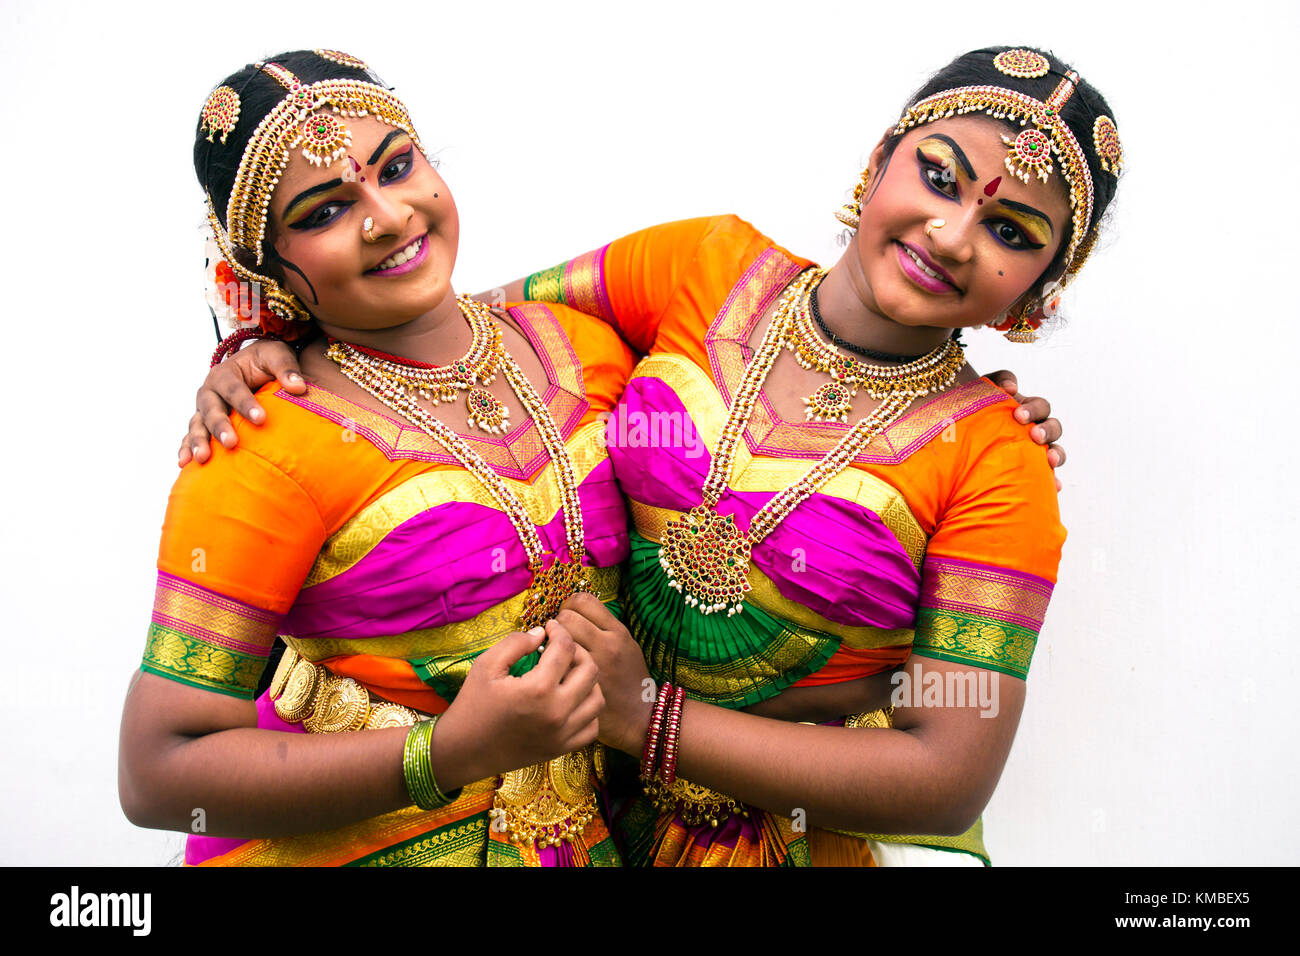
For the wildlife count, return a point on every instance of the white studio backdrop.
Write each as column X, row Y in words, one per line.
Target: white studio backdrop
column 1159, row 727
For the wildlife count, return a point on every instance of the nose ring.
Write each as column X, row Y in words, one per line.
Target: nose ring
column 368, row 227
column 934, row 224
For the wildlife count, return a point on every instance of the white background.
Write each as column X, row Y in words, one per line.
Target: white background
column 1160, row 726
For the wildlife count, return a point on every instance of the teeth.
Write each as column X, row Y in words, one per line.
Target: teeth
column 924, row 268
column 401, row 258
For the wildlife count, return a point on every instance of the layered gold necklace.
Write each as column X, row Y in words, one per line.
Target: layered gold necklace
column 378, row 377
column 444, row 383
column 704, row 554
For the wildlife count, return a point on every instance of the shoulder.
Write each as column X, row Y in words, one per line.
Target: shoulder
column 999, row 503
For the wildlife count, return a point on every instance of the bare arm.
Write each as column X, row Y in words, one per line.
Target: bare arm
column 183, row 748
column 932, row 773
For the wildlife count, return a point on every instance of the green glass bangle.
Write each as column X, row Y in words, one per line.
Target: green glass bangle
column 417, row 768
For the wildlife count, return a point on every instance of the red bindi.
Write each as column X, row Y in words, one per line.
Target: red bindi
column 992, row 187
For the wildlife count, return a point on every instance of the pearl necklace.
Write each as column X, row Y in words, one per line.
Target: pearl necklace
column 703, row 553
column 551, row 586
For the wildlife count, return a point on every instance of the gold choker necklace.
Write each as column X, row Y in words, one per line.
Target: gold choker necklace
column 833, row 400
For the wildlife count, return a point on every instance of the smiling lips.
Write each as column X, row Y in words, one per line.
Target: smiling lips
column 404, row 260
column 920, row 270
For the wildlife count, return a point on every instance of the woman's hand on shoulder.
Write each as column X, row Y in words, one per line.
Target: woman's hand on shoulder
column 230, row 385
column 1036, row 413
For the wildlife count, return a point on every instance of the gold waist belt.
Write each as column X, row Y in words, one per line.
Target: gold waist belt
column 545, row 804
column 696, row 804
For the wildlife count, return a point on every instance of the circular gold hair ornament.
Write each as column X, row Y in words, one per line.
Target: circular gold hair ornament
column 1105, row 139
column 324, row 139
column 342, row 59
column 1025, row 64
column 220, row 113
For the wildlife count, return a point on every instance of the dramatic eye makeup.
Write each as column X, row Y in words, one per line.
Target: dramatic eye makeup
column 397, row 166
column 301, row 215
column 1017, row 226
column 1032, row 225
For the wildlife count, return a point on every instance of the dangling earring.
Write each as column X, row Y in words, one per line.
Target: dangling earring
column 851, row 212
column 1025, row 329
column 1019, row 326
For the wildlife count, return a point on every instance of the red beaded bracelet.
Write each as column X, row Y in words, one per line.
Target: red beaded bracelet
column 649, row 752
column 668, row 773
column 232, row 342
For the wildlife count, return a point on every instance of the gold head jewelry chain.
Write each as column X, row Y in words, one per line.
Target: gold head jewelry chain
column 551, row 586
column 703, row 553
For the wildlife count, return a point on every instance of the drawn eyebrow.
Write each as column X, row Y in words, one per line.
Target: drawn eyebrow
column 308, row 193
column 374, row 157
column 957, row 151
column 1012, row 204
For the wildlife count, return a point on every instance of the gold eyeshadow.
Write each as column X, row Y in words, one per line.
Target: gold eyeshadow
column 945, row 157
column 314, row 202
column 1031, row 226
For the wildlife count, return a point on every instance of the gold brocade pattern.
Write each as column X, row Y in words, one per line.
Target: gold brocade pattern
column 458, row 846
column 368, row 528
column 551, row 342
column 984, row 590
column 181, row 657
column 463, row 638
column 347, row 843
column 583, row 284
column 183, row 605
column 545, row 286
column 650, row 521
column 978, row 642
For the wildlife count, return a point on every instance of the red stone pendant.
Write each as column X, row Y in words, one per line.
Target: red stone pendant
column 707, row 560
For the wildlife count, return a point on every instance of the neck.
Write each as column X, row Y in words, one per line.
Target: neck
column 438, row 337
column 842, row 300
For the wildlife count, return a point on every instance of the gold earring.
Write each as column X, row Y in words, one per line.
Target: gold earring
column 851, row 212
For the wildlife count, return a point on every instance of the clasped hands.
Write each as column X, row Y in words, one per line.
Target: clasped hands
column 624, row 681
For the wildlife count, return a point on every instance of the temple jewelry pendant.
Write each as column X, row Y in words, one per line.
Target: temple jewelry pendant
column 706, row 558
column 1031, row 151
column 487, row 412
column 830, row 403
column 549, row 590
